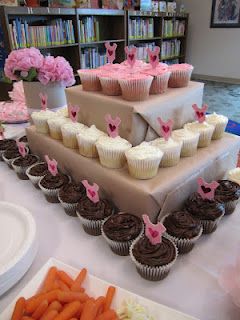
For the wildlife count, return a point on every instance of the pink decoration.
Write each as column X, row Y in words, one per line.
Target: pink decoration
column 92, row 191
column 200, row 113
column 131, row 55
column 207, row 190
column 111, row 51
column 44, row 99
column 153, row 57
column 52, row 166
column 153, row 231
column 165, row 128
column 112, row 125
column 73, row 112
column 22, row 148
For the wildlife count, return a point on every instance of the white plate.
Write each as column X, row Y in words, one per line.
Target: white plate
column 96, row 287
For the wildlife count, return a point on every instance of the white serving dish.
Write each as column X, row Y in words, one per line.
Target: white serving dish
column 96, row 287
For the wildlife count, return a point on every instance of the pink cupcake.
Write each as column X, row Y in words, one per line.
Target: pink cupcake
column 160, row 79
column 110, row 84
column 89, row 79
column 180, row 75
column 138, row 63
column 135, row 87
column 109, row 67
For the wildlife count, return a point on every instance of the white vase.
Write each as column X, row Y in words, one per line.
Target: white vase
column 54, row 91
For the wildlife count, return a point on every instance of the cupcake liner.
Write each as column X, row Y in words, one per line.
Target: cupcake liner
column 210, row 226
column 41, row 126
column 113, row 159
column 8, row 161
column 219, row 130
column 179, row 78
column 51, row 195
column 171, row 157
column 69, row 140
column 55, row 133
column 135, row 90
column 230, row 206
column 87, row 148
column 90, row 81
column 120, row 248
column 153, row 273
column 110, row 86
column 92, row 227
column 143, row 169
column 21, row 171
column 34, row 179
column 160, row 83
column 205, row 138
column 1, row 153
column 69, row 208
column 189, row 148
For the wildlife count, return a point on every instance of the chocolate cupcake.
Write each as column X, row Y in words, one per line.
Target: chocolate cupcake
column 51, row 185
column 228, row 192
column 153, row 262
column 183, row 230
column 120, row 230
column 93, row 214
column 6, row 144
column 9, row 155
column 36, row 172
column 70, row 195
column 209, row 212
column 21, row 164
column 23, row 139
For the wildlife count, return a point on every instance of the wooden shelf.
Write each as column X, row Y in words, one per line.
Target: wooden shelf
column 144, row 39
column 59, row 46
column 100, row 12
column 172, row 58
column 85, row 44
column 42, row 11
column 174, row 37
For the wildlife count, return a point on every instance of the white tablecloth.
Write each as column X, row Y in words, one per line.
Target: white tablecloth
column 191, row 286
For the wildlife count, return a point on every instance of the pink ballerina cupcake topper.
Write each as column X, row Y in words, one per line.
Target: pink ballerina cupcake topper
column 153, row 57
column 22, row 148
column 112, row 125
column 44, row 99
column 92, row 191
column 131, row 55
column 207, row 190
column 153, row 232
column 111, row 51
column 200, row 113
column 165, row 128
column 73, row 112
column 52, row 166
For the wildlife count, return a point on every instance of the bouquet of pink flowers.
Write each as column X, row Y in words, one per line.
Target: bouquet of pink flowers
column 30, row 65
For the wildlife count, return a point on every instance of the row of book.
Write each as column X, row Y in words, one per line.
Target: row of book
column 170, row 48
column 93, row 58
column 141, row 28
column 142, row 50
column 58, row 32
column 89, row 29
column 173, row 28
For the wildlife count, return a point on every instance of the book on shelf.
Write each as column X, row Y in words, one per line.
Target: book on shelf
column 170, row 62
column 170, row 49
column 89, row 29
column 93, row 58
column 57, row 32
column 173, row 28
column 141, row 28
column 142, row 50
column 3, row 52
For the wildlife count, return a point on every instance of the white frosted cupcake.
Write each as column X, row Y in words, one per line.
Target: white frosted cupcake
column 143, row 161
column 55, row 124
column 220, row 123
column 111, row 151
column 234, row 175
column 189, row 141
column 69, row 133
column 63, row 112
column 87, row 141
column 204, row 129
column 40, row 119
column 171, row 151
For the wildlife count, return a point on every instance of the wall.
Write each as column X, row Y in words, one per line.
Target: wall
column 213, row 52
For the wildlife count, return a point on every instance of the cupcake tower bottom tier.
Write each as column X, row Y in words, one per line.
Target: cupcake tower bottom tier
column 165, row 192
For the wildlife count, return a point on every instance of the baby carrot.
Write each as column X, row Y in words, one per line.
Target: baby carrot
column 76, row 286
column 49, row 280
column 89, row 311
column 65, row 278
column 56, row 285
column 68, row 296
column 50, row 315
column 69, row 312
column 107, row 315
column 40, row 310
column 62, row 286
column 33, row 303
column 27, row 318
column 19, row 309
column 109, row 297
column 55, row 305
column 100, row 302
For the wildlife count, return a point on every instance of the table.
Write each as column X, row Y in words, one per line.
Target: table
column 191, row 286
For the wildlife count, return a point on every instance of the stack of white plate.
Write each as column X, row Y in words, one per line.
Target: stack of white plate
column 18, row 244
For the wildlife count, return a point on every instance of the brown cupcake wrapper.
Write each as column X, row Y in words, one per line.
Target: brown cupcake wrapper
column 92, row 227
column 210, row 226
column 69, row 208
column 34, row 179
column 153, row 273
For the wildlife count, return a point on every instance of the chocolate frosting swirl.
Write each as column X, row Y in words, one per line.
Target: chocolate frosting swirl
column 72, row 193
column 154, row 255
column 26, row 161
column 123, row 227
column 227, row 191
column 95, row 211
column 54, row 182
column 182, row 225
column 203, row 208
column 12, row 153
column 39, row 170
column 7, row 143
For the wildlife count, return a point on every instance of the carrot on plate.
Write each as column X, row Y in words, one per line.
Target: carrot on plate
column 76, row 286
column 55, row 305
column 69, row 312
column 27, row 318
column 65, row 278
column 107, row 315
column 33, row 303
column 89, row 311
column 100, row 302
column 40, row 310
column 69, row 296
column 19, row 309
column 50, row 315
column 49, row 280
column 109, row 297
column 62, row 286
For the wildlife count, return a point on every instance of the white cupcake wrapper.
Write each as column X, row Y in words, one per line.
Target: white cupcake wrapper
column 153, row 273
column 87, row 148
column 55, row 133
column 1, row 153
column 189, row 146
column 210, row 226
column 135, row 90
column 219, row 130
column 160, row 83
column 143, row 169
column 110, row 86
column 69, row 140
column 92, row 227
column 179, row 78
column 171, row 157
column 205, row 137
column 21, row 171
column 34, row 179
column 50, row 194
column 41, row 125
column 69, row 208
column 90, row 81
column 8, row 161
column 113, row 159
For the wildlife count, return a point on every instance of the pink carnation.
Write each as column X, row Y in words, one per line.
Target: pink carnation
column 22, row 60
column 56, row 70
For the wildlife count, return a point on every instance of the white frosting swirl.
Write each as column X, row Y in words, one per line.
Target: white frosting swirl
column 144, row 152
column 198, row 127
column 113, row 143
column 73, row 127
column 216, row 118
column 43, row 115
column 91, row 134
column 165, row 145
column 184, row 134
